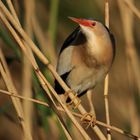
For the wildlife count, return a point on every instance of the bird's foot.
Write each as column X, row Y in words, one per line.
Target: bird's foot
column 74, row 101
column 89, row 118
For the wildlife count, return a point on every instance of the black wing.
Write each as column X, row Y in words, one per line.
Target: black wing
column 75, row 38
column 70, row 39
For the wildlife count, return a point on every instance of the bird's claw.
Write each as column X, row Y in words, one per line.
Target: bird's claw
column 91, row 121
column 73, row 99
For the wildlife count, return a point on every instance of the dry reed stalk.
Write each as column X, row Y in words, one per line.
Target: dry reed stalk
column 53, row 21
column 44, row 45
column 11, row 7
column 24, row 98
column 130, row 49
column 42, row 78
column 69, row 137
column 45, row 83
column 106, row 82
column 27, row 69
column 45, row 88
column 133, row 8
column 50, row 67
column 16, row 102
column 27, row 91
column 74, row 113
column 29, row 51
column 37, row 52
column 134, row 117
column 132, row 57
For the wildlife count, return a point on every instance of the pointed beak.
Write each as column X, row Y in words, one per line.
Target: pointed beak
column 84, row 22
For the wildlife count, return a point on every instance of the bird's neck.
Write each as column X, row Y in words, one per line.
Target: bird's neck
column 98, row 46
column 100, row 49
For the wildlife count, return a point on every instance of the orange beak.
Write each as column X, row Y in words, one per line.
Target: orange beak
column 84, row 22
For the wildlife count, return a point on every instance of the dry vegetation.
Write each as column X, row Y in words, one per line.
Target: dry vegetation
column 30, row 109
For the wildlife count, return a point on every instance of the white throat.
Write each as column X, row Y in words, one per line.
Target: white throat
column 91, row 38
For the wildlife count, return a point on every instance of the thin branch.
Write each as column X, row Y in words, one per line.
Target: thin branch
column 65, row 131
column 53, row 21
column 74, row 113
column 26, row 65
column 44, row 83
column 11, row 7
column 106, row 83
column 24, row 98
column 44, row 45
column 16, row 102
column 27, row 68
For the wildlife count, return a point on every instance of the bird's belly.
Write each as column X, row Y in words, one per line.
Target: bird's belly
column 83, row 78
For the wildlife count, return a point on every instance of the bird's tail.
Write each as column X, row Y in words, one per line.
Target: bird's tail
column 58, row 88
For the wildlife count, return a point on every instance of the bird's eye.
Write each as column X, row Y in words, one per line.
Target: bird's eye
column 94, row 23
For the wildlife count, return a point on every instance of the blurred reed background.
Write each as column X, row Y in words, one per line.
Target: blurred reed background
column 47, row 24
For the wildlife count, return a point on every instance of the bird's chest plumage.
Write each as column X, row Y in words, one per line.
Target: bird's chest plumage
column 86, row 71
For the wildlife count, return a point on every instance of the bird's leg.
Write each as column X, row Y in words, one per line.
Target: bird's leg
column 73, row 99
column 89, row 97
column 89, row 118
column 91, row 114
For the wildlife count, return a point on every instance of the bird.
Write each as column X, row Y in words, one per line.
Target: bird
column 86, row 56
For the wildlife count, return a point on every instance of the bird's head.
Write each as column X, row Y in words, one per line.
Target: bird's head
column 97, row 35
column 84, row 22
column 90, row 27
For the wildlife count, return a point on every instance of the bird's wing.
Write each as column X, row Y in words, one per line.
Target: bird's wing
column 74, row 39
column 70, row 39
column 64, row 61
column 64, row 66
